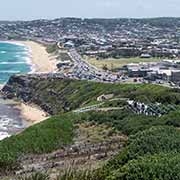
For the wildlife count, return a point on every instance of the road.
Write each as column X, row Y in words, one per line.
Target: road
column 84, row 71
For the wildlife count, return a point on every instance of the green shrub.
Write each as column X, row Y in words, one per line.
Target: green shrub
column 87, row 174
column 157, row 167
column 35, row 176
column 51, row 48
column 153, row 141
column 62, row 95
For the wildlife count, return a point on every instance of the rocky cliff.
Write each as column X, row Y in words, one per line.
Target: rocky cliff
column 35, row 89
column 52, row 92
column 56, row 94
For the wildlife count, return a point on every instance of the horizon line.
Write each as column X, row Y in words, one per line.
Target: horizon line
column 103, row 18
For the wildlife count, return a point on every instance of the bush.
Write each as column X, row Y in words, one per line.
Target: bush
column 160, row 167
column 51, row 48
column 36, row 176
column 88, row 174
column 153, row 141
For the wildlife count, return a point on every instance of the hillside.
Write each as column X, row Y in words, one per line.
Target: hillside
column 56, row 95
column 90, row 137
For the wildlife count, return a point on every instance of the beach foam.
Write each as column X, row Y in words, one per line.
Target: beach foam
column 3, row 52
column 7, row 62
column 10, row 120
column 10, row 71
column 4, row 135
column 13, row 42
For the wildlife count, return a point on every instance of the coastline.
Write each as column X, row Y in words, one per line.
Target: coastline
column 41, row 62
column 31, row 113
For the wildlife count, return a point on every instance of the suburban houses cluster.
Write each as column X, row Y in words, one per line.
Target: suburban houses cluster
column 108, row 38
column 163, row 71
column 103, row 37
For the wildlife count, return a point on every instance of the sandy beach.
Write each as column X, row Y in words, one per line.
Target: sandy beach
column 42, row 63
column 41, row 60
column 32, row 113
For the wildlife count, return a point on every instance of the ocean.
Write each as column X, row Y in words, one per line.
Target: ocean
column 14, row 59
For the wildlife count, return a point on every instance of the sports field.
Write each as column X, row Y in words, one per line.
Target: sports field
column 111, row 63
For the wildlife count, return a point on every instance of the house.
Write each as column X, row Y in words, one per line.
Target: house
column 69, row 44
column 64, row 64
column 175, row 76
column 145, row 56
column 105, row 97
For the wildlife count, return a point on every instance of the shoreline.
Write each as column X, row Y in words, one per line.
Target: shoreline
column 38, row 58
column 31, row 113
column 41, row 62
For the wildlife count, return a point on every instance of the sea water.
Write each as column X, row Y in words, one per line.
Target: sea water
column 14, row 59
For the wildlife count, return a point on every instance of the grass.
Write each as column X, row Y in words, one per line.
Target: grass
column 42, row 138
column 51, row 48
column 95, row 133
column 63, row 56
column 74, row 174
column 113, row 63
column 35, row 176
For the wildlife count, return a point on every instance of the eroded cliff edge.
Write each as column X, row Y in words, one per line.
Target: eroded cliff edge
column 39, row 90
column 52, row 92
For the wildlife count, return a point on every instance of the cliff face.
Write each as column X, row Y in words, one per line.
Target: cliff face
column 18, row 87
column 34, row 89
column 56, row 94
column 52, row 93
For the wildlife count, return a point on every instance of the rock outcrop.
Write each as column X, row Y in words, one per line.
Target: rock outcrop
column 34, row 88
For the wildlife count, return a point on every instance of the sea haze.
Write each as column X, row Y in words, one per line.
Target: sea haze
column 14, row 59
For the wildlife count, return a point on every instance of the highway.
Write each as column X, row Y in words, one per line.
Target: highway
column 83, row 70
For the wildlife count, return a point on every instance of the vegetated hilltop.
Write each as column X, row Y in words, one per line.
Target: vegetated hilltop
column 151, row 150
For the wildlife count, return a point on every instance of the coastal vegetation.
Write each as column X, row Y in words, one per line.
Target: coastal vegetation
column 52, row 48
column 36, row 176
column 38, row 139
column 145, row 153
column 63, row 56
column 151, row 137
column 56, row 95
column 150, row 142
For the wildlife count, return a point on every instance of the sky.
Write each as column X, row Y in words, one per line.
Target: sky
column 49, row 9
